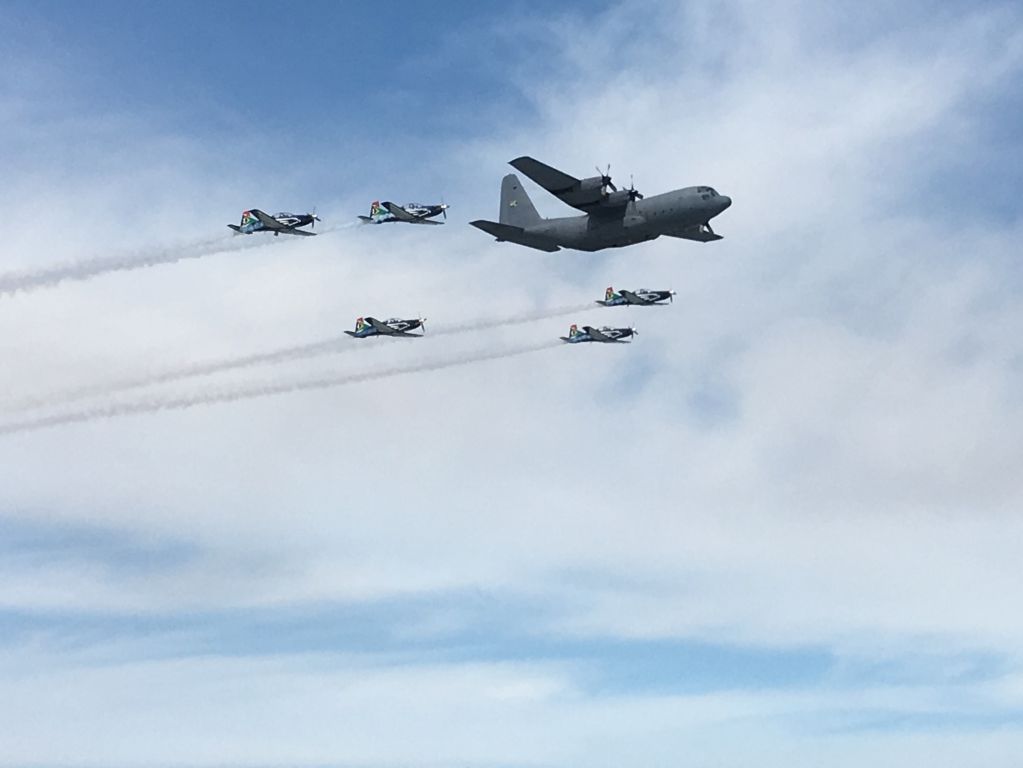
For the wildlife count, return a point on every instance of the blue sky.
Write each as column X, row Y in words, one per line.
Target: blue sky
column 782, row 527
column 344, row 78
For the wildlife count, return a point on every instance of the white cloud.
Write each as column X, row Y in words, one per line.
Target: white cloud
column 857, row 491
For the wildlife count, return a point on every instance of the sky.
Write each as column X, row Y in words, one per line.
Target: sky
column 782, row 527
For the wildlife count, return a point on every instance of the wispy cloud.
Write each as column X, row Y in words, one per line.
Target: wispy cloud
column 807, row 465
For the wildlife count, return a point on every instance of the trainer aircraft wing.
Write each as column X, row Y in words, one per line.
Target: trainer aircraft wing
column 551, row 179
column 382, row 328
column 402, row 215
column 633, row 298
column 596, row 335
column 268, row 221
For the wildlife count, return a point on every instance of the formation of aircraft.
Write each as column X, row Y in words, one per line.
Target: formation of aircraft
column 604, row 335
column 611, row 218
column 255, row 220
column 641, row 298
column 410, row 213
column 370, row 326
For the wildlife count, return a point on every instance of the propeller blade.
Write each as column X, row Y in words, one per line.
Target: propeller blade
column 634, row 194
column 605, row 179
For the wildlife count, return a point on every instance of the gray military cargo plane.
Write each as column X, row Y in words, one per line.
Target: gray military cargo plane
column 614, row 217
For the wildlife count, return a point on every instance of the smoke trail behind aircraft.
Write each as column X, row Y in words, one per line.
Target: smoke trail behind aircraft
column 498, row 322
column 329, row 346
column 265, row 389
column 48, row 277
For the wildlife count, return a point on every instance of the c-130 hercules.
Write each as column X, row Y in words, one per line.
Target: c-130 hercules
column 613, row 218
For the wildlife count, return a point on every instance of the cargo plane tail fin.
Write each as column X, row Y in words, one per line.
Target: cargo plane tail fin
column 517, row 209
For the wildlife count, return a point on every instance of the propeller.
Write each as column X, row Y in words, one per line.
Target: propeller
column 315, row 219
column 634, row 194
column 444, row 209
column 605, row 179
column 634, row 332
column 671, row 297
column 422, row 324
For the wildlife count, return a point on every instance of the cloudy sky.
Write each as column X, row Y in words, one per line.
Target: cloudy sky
column 782, row 528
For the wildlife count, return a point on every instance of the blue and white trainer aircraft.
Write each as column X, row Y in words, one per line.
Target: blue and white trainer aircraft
column 410, row 213
column 370, row 326
column 641, row 298
column 255, row 220
column 604, row 335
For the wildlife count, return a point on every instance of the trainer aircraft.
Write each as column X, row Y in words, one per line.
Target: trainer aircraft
column 410, row 213
column 604, row 335
column 287, row 223
column 642, row 298
column 612, row 217
column 370, row 326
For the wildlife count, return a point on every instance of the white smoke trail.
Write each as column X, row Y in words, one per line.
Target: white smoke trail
column 48, row 277
column 498, row 322
column 184, row 371
column 45, row 277
column 265, row 389
column 329, row 346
